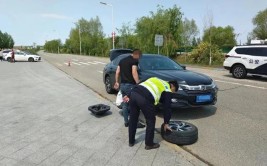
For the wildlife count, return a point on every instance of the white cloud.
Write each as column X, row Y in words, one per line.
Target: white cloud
column 56, row 16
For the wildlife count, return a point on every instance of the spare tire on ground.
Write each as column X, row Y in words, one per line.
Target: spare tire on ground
column 182, row 133
column 99, row 109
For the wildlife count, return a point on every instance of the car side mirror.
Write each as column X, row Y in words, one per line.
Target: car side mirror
column 184, row 67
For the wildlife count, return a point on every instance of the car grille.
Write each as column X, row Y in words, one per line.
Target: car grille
column 197, row 87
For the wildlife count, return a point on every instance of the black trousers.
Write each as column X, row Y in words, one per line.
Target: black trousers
column 139, row 102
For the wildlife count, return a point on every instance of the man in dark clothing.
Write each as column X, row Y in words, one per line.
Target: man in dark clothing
column 144, row 97
column 127, row 71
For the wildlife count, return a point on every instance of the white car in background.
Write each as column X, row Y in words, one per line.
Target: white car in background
column 243, row 60
column 23, row 56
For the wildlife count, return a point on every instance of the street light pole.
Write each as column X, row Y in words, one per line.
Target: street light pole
column 113, row 28
column 80, row 39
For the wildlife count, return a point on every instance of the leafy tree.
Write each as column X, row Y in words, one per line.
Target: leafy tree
column 189, row 32
column 201, row 54
column 220, row 36
column 260, row 23
column 6, row 40
column 125, row 34
column 91, row 36
column 53, row 46
column 167, row 22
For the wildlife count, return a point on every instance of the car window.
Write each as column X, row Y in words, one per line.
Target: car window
column 158, row 63
column 253, row 51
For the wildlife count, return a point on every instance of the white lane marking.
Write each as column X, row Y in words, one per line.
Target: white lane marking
column 76, row 63
column 84, row 63
column 99, row 62
column 93, row 63
column 75, row 60
column 58, row 64
column 235, row 83
column 100, row 72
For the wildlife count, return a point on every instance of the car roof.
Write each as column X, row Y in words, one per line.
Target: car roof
column 153, row 55
column 248, row 46
column 143, row 55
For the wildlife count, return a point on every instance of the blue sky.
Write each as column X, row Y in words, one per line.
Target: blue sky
column 36, row 21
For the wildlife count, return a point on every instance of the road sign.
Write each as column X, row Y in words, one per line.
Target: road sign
column 158, row 40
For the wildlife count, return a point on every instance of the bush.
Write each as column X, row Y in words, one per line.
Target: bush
column 201, row 54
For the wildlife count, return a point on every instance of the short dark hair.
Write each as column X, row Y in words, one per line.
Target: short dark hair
column 137, row 51
column 175, row 84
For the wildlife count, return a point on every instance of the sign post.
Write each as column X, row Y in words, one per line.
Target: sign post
column 158, row 41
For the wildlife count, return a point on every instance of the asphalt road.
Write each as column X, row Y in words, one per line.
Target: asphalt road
column 233, row 132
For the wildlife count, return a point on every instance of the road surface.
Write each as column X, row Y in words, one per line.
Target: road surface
column 233, row 132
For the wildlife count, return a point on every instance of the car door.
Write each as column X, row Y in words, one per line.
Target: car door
column 18, row 56
column 24, row 57
column 260, row 61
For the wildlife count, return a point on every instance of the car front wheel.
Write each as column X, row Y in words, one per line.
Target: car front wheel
column 31, row 60
column 108, row 85
column 239, row 71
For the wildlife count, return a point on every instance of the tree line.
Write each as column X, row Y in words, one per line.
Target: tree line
column 180, row 34
column 6, row 40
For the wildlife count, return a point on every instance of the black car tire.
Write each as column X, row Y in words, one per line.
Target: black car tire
column 239, row 71
column 182, row 133
column 8, row 59
column 31, row 60
column 108, row 85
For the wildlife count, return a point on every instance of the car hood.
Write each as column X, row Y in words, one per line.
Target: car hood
column 182, row 76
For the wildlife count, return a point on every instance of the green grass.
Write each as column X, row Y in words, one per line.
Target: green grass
column 182, row 59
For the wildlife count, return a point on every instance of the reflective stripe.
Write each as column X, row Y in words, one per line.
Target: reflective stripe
column 156, row 86
column 150, row 90
column 167, row 86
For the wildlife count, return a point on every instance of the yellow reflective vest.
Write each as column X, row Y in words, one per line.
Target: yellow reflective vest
column 156, row 86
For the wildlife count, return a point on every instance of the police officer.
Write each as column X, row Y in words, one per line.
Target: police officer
column 144, row 97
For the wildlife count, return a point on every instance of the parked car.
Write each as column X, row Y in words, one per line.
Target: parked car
column 23, row 56
column 3, row 53
column 242, row 60
column 195, row 89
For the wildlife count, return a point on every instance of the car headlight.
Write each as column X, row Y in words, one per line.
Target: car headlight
column 213, row 84
column 184, row 87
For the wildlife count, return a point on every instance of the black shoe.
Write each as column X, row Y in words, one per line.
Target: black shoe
column 126, row 124
column 131, row 144
column 154, row 146
column 140, row 125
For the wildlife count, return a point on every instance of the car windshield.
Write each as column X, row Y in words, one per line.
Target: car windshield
column 158, row 63
column 26, row 52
